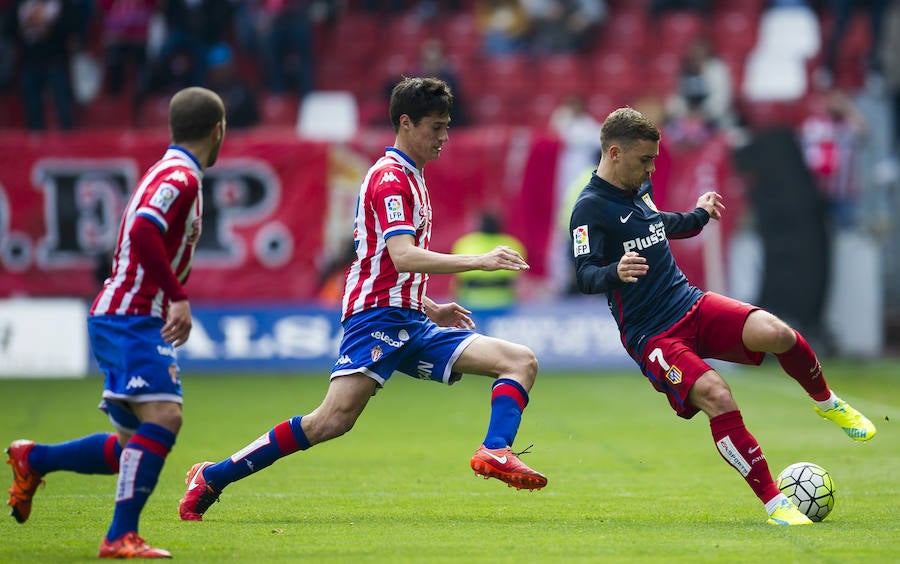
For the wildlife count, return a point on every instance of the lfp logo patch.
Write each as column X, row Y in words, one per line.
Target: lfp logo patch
column 394, row 206
column 580, row 239
column 163, row 197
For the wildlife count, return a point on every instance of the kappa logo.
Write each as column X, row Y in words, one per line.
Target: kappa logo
column 178, row 176
column 394, row 206
column 389, row 176
column 344, row 359
column 581, row 244
column 137, row 382
column 163, row 197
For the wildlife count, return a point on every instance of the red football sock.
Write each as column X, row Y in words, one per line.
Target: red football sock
column 738, row 447
column 801, row 364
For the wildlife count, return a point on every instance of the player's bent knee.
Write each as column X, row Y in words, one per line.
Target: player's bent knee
column 525, row 366
column 329, row 427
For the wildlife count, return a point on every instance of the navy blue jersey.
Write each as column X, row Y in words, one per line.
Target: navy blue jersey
column 606, row 223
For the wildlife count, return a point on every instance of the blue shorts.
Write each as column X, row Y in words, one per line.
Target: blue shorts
column 379, row 341
column 139, row 365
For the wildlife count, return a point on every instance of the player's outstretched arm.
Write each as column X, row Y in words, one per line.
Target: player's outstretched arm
column 407, row 257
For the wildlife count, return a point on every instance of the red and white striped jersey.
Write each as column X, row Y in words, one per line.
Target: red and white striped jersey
column 169, row 195
column 393, row 200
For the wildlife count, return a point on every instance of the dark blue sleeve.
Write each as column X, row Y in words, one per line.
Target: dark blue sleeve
column 684, row 225
column 594, row 273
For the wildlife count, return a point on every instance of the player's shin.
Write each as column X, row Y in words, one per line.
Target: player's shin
column 139, row 467
column 282, row 440
column 740, row 449
column 801, row 364
column 508, row 401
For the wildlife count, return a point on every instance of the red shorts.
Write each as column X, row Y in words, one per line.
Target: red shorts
column 673, row 360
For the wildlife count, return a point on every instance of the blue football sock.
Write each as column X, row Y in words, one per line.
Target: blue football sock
column 285, row 438
column 141, row 462
column 508, row 400
column 93, row 454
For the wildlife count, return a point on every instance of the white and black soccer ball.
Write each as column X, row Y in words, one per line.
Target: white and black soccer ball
column 809, row 487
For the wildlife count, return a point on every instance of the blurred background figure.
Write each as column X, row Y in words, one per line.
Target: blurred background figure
column 45, row 32
column 191, row 28
column 831, row 135
column 504, row 26
column 434, row 62
column 843, row 11
column 241, row 105
column 481, row 289
column 890, row 59
column 284, row 37
column 126, row 25
column 563, row 26
column 332, row 275
column 704, row 94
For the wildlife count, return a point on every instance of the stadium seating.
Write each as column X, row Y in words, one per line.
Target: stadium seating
column 362, row 52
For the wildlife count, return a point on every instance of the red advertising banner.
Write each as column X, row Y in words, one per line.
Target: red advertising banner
column 61, row 198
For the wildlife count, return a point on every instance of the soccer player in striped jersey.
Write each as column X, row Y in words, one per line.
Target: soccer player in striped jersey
column 390, row 324
column 141, row 314
column 621, row 248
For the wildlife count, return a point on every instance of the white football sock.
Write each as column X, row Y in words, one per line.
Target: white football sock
column 829, row 403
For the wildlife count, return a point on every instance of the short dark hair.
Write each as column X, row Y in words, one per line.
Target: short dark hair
column 625, row 127
column 420, row 97
column 193, row 113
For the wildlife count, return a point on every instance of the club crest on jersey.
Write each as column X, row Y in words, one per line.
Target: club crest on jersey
column 673, row 375
column 376, row 353
column 163, row 197
column 582, row 246
column 394, row 206
column 649, row 201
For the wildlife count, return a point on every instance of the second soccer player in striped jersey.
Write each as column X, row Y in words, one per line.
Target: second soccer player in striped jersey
column 389, row 322
column 138, row 318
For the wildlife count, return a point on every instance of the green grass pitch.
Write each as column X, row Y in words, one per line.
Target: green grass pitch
column 628, row 480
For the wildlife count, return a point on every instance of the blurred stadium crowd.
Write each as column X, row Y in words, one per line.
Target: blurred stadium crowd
column 101, row 63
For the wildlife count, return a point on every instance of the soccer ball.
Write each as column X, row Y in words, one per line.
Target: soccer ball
column 809, row 487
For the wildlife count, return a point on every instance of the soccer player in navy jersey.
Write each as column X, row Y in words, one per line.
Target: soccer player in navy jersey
column 620, row 245
column 389, row 322
column 141, row 314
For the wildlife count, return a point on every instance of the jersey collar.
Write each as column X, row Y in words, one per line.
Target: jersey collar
column 178, row 148
column 400, row 156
